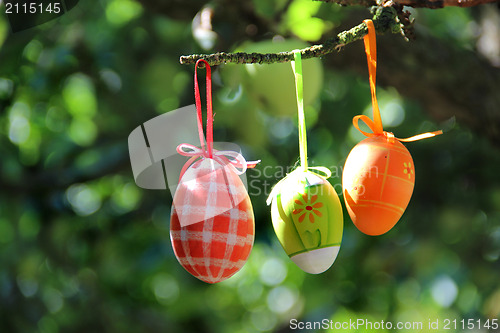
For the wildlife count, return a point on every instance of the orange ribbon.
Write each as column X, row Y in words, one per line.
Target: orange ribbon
column 376, row 124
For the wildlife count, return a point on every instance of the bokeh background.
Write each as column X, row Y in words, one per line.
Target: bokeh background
column 83, row 249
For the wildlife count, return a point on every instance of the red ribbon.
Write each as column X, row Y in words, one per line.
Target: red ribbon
column 210, row 117
column 224, row 157
column 376, row 124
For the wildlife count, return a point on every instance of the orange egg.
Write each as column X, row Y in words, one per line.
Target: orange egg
column 377, row 181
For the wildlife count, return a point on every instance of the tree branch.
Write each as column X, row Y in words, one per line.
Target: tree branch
column 414, row 3
column 364, row 3
column 441, row 3
column 384, row 21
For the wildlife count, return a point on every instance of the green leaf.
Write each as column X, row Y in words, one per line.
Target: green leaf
column 301, row 20
column 311, row 29
column 120, row 12
column 79, row 96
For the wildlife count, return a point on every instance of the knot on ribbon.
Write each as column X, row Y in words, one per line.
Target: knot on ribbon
column 298, row 174
column 377, row 130
column 224, row 157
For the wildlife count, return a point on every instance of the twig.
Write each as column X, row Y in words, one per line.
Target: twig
column 434, row 4
column 442, row 3
column 364, row 3
column 384, row 21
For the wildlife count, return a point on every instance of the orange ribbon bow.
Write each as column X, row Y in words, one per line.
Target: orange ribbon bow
column 376, row 124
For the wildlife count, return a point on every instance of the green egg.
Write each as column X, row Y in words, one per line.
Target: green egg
column 307, row 218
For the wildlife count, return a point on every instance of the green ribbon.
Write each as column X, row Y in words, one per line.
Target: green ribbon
column 299, row 89
column 298, row 174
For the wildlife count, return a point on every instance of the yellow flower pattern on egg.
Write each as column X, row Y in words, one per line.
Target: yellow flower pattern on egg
column 408, row 169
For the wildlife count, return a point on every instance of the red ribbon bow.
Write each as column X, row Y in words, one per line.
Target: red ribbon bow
column 225, row 157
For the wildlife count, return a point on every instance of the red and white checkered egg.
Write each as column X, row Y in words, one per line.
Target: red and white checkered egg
column 215, row 247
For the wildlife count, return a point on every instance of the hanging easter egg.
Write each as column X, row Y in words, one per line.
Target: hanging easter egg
column 307, row 219
column 378, row 180
column 306, row 211
column 212, row 223
column 378, row 176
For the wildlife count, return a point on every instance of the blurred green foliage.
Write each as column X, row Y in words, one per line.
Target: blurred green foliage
column 83, row 249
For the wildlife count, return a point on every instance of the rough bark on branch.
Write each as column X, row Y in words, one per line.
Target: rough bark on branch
column 442, row 3
column 384, row 20
column 364, row 3
column 414, row 3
